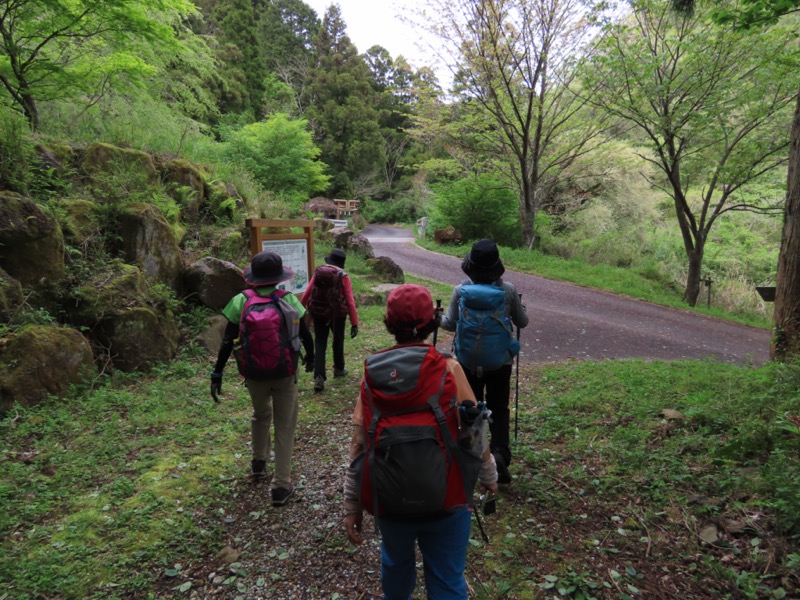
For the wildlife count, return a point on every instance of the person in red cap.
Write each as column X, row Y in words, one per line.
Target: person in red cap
column 490, row 382
column 442, row 536
column 274, row 400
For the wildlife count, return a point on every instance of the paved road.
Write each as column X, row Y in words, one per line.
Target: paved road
column 572, row 322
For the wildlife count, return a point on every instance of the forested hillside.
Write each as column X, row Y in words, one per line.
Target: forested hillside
column 672, row 164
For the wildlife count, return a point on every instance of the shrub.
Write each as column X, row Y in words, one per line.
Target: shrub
column 480, row 207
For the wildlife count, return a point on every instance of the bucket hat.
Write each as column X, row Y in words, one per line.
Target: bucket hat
column 336, row 258
column 266, row 268
column 409, row 307
column 483, row 264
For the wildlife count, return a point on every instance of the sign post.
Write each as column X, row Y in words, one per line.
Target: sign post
column 295, row 248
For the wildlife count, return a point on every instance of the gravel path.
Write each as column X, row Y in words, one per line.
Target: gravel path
column 571, row 322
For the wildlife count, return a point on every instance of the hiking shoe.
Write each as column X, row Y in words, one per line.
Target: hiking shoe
column 310, row 366
column 280, row 496
column 503, row 475
column 258, row 467
column 340, row 372
column 319, row 383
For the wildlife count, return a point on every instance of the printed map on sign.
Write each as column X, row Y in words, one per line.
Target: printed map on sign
column 295, row 257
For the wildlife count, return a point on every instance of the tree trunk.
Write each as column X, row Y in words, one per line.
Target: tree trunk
column 31, row 111
column 692, row 291
column 786, row 338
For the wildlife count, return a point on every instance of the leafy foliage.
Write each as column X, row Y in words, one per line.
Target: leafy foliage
column 39, row 59
column 281, row 156
column 480, row 207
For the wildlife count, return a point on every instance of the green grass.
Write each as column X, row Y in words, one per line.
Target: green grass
column 106, row 491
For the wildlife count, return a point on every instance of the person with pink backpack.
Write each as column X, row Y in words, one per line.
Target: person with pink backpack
column 263, row 333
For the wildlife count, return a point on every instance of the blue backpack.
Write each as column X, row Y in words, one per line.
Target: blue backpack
column 484, row 336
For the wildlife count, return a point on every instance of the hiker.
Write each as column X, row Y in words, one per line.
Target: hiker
column 414, row 387
column 266, row 323
column 329, row 300
column 481, row 313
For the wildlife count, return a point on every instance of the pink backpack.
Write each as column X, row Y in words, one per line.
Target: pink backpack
column 268, row 346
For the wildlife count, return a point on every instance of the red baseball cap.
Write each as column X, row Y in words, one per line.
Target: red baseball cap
column 409, row 307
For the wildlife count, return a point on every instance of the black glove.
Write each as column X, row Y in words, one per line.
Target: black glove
column 353, row 331
column 308, row 361
column 216, row 385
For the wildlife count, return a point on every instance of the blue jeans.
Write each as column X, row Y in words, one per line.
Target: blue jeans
column 443, row 543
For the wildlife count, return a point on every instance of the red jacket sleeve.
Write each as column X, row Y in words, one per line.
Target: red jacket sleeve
column 351, row 303
column 307, row 294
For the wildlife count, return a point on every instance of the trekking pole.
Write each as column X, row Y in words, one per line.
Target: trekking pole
column 476, row 511
column 438, row 312
column 516, row 393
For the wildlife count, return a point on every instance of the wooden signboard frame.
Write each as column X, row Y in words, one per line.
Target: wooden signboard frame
column 261, row 240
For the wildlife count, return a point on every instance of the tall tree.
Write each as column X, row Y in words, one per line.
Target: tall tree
column 286, row 30
column 53, row 49
column 516, row 59
column 391, row 82
column 712, row 108
column 753, row 15
column 237, row 28
column 342, row 110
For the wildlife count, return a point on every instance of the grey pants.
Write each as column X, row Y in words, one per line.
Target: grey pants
column 274, row 402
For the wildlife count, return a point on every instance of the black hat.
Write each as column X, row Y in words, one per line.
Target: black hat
column 482, row 264
column 336, row 258
column 266, row 268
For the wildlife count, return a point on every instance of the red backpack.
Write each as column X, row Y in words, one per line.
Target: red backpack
column 268, row 346
column 327, row 294
column 412, row 467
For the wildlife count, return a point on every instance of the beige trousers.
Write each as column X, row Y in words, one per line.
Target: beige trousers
column 274, row 402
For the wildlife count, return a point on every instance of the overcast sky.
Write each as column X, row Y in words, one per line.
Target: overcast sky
column 371, row 22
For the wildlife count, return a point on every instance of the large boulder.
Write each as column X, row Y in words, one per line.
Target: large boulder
column 183, row 173
column 386, row 269
column 78, row 222
column 139, row 338
column 133, row 329
column 101, row 160
column 147, row 241
column 31, row 242
column 42, row 361
column 360, row 245
column 181, row 176
column 212, row 282
column 211, row 337
column 11, row 296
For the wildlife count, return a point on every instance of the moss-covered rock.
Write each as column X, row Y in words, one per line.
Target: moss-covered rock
column 181, row 174
column 78, row 222
column 117, row 287
column 386, row 269
column 103, row 159
column 10, row 296
column 148, row 242
column 139, row 338
column 212, row 282
column 115, row 306
column 58, row 157
column 31, row 242
column 41, row 361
